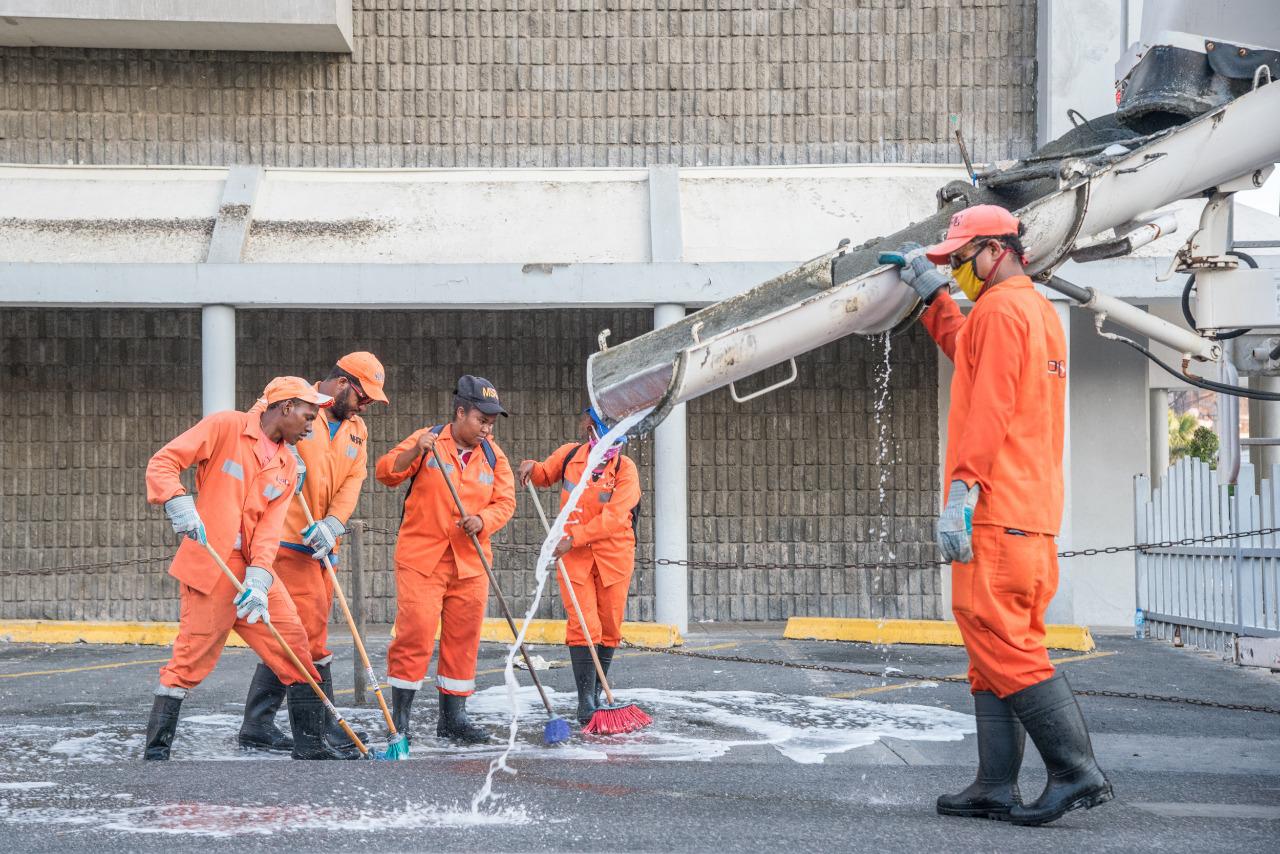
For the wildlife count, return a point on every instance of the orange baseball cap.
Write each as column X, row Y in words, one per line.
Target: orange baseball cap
column 288, row 388
column 977, row 221
column 368, row 371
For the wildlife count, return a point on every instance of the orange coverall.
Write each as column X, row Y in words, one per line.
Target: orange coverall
column 336, row 469
column 440, row 580
column 603, row 556
column 1005, row 433
column 242, row 502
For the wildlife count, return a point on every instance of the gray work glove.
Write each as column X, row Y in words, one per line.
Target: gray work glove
column 323, row 535
column 955, row 524
column 251, row 603
column 181, row 510
column 918, row 272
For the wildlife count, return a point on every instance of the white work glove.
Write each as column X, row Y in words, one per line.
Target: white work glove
column 302, row 470
column 918, row 272
column 955, row 524
column 323, row 535
column 251, row 603
column 181, row 510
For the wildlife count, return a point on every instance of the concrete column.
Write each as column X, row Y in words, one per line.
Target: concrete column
column 1062, row 608
column 671, row 502
column 1159, row 408
column 218, row 358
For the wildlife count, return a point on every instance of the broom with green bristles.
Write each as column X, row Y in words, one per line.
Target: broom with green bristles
column 614, row 718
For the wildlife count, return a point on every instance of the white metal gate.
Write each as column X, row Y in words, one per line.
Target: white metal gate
column 1209, row 593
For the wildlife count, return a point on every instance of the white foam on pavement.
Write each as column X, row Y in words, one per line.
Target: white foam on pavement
column 221, row 820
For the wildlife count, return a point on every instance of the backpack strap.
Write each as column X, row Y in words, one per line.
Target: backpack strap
column 404, row 506
column 568, row 458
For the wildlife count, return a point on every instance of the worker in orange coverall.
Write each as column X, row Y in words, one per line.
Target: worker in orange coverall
column 440, row 580
column 598, row 548
column 245, row 479
column 1003, row 510
column 335, row 458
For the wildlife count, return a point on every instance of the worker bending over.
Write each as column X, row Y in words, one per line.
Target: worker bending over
column 598, row 547
column 245, row 479
column 336, row 462
column 440, row 580
column 1003, row 510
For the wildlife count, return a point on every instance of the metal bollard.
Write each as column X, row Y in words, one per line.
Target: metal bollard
column 355, row 562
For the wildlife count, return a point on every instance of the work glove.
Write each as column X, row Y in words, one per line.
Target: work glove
column 302, row 470
column 323, row 535
column 181, row 510
column 955, row 524
column 251, row 603
column 917, row 272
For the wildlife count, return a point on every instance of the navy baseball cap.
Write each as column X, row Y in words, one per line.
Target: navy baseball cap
column 480, row 391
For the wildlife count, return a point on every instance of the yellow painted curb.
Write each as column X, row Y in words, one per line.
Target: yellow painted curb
column 551, row 632
column 927, row 632
column 76, row 631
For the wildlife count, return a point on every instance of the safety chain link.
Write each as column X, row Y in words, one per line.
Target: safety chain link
column 715, row 564
column 86, row 567
column 925, row 677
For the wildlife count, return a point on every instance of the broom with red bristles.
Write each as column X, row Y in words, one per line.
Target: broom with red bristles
column 614, row 718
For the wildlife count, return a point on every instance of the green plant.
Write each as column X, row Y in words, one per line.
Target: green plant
column 1204, row 446
column 1187, row 438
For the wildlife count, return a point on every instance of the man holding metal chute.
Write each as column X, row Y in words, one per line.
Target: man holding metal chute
column 1003, row 509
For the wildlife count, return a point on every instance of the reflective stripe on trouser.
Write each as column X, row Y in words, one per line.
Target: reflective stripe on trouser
column 423, row 602
column 207, row 619
column 309, row 586
column 999, row 600
column 603, row 607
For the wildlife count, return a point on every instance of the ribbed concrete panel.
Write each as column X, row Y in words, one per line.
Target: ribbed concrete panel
column 793, row 478
column 509, row 83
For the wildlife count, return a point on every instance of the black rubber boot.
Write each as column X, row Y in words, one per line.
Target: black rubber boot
column 584, row 679
column 161, row 726
column 606, row 658
column 334, row 733
column 259, row 730
column 401, row 705
column 1000, row 742
column 1053, row 719
column 453, row 723
column 308, row 719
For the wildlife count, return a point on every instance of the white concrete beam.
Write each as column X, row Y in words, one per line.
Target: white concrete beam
column 506, row 286
column 298, row 25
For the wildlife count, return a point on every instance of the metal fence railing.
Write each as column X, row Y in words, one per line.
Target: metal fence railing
column 1208, row 595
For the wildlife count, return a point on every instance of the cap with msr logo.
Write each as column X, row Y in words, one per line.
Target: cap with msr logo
column 481, row 392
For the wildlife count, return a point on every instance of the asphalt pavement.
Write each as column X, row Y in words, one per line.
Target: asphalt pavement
column 741, row 757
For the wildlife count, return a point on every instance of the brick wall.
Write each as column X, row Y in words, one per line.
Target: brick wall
column 514, row 83
column 90, row 395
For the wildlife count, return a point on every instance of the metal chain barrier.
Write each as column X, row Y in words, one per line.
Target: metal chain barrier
column 712, row 564
column 86, row 567
column 930, row 564
column 924, row 677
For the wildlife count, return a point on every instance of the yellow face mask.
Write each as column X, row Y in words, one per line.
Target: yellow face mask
column 967, row 278
column 966, row 275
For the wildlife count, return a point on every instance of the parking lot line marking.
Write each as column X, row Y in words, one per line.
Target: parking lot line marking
column 82, row 669
column 880, row 689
